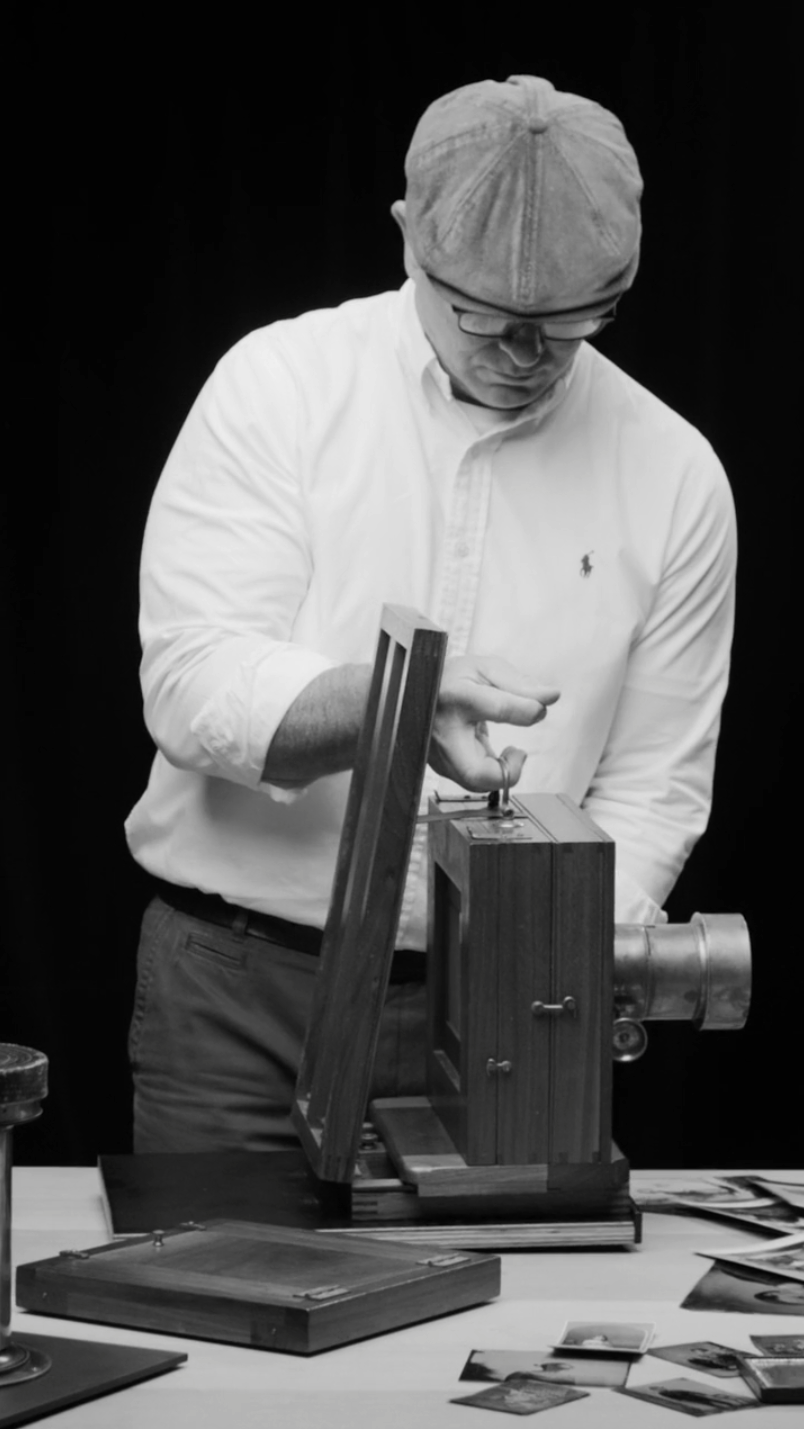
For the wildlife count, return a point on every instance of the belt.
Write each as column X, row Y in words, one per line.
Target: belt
column 408, row 965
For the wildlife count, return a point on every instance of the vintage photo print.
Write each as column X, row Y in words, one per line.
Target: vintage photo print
column 782, row 1346
column 653, row 1189
column 783, row 1257
column 606, row 1337
column 520, row 1395
column 736, row 1287
column 704, row 1355
column 775, row 1381
column 494, row 1366
column 765, row 1211
column 790, row 1191
column 691, row 1396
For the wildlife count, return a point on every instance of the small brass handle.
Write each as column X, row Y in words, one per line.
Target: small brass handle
column 492, row 1067
column 567, row 1004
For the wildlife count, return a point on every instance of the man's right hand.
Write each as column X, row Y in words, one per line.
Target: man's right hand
column 477, row 690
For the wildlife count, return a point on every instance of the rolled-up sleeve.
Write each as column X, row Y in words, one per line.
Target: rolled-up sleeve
column 225, row 566
column 653, row 786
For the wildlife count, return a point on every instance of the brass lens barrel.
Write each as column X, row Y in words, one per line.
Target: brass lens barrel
column 684, row 972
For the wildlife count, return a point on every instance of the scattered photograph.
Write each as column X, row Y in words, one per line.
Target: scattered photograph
column 497, row 1365
column 705, row 1355
column 736, row 1287
column 606, row 1337
column 521, row 1395
column 652, row 1190
column 790, row 1191
column 691, row 1396
column 775, row 1381
column 781, row 1257
column 784, row 1346
column 765, row 1211
column 723, row 1188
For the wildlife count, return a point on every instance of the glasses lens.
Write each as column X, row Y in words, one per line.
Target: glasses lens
column 483, row 324
column 489, row 325
column 571, row 332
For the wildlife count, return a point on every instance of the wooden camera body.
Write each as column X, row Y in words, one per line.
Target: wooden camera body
column 524, row 992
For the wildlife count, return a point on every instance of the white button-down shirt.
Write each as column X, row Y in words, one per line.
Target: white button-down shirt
column 325, row 469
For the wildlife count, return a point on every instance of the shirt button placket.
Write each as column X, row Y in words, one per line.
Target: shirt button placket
column 455, row 608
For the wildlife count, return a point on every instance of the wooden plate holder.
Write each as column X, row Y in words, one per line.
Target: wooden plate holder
column 516, row 1125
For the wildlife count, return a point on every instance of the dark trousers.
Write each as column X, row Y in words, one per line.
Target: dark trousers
column 217, row 1034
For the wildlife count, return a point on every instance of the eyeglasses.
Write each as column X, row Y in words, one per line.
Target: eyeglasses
column 561, row 330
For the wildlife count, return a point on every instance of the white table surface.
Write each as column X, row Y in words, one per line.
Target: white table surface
column 404, row 1380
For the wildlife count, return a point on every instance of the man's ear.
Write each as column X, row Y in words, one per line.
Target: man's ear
column 398, row 212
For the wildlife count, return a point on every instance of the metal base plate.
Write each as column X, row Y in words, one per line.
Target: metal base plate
column 18, row 1365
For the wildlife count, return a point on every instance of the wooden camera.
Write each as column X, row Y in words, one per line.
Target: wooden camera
column 532, row 991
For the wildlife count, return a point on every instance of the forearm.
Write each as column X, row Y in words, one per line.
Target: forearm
column 319, row 733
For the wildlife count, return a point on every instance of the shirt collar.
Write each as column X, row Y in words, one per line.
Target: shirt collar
column 424, row 367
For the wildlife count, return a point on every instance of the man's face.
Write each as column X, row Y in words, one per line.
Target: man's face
column 504, row 373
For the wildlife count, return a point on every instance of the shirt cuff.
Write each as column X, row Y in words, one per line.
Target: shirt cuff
column 632, row 904
column 236, row 725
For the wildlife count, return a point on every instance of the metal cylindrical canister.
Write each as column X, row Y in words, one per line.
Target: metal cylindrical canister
column 692, row 972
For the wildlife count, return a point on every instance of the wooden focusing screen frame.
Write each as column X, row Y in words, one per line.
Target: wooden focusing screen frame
column 521, row 929
column 340, row 1047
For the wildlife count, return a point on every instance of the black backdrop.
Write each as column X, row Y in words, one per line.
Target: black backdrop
column 167, row 198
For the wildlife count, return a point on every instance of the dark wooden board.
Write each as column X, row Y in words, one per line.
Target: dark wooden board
column 164, row 1189
column 264, row 1286
column 426, row 1157
column 335, row 1074
column 80, row 1370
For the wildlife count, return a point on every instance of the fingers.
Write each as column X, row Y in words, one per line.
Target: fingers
column 504, row 676
column 502, row 707
column 476, row 691
column 489, row 688
column 515, row 759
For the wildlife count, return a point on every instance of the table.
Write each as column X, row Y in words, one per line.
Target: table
column 405, row 1380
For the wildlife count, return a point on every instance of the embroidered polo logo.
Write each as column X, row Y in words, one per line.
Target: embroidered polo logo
column 586, row 564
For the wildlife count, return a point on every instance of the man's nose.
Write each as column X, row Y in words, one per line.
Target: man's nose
column 523, row 344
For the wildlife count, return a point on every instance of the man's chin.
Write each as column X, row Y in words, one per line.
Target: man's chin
column 508, row 396
column 501, row 393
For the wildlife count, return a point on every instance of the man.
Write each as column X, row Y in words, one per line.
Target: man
column 461, row 448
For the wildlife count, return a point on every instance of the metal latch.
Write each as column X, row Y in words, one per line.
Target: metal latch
column 441, row 1260
column 493, row 1067
column 567, row 1004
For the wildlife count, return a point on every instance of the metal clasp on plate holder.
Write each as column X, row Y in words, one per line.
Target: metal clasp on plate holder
column 567, row 1004
column 444, row 1260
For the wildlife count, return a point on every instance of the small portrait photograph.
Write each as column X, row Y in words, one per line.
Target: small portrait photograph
column 765, row 1211
column 790, row 1191
column 705, row 1355
column 775, row 1381
column 738, row 1287
column 691, row 1396
column 714, row 1191
column 606, row 1337
column 781, row 1257
column 776, row 1216
column 652, row 1189
column 521, row 1395
column 494, row 1366
column 783, row 1346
